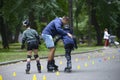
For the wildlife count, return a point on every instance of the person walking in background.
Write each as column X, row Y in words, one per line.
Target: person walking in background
column 31, row 37
column 50, row 31
column 106, row 38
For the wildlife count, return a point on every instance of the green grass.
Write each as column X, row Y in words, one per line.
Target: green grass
column 15, row 53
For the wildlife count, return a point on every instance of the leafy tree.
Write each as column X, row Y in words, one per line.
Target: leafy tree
column 102, row 13
column 3, row 27
column 89, row 16
column 15, row 11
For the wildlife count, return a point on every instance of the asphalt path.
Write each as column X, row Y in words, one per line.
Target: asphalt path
column 97, row 65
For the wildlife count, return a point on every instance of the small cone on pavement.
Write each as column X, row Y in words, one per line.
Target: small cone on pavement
column 34, row 77
column 82, row 58
column 105, row 59
column 44, row 77
column 108, row 58
column 97, row 55
column 88, row 57
column 57, row 73
column 78, row 67
column 118, row 50
column 86, row 65
column 100, row 60
column 41, row 67
column 14, row 74
column 61, row 62
column 76, row 59
column 113, row 57
column 102, row 54
column 93, row 62
column 1, row 77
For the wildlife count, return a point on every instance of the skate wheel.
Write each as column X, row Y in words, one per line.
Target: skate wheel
column 27, row 72
column 39, row 71
column 67, row 70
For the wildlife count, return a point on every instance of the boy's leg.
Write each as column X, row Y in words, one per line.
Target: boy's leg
column 36, row 56
column 68, row 57
column 50, row 45
column 51, row 62
column 51, row 54
column 55, row 66
column 29, row 55
column 68, row 49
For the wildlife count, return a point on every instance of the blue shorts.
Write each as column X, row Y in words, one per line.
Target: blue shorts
column 48, row 40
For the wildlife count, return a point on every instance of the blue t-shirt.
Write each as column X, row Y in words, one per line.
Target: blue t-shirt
column 54, row 28
column 66, row 39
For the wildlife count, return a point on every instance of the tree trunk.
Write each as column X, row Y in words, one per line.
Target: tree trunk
column 93, row 21
column 97, row 27
column 32, row 19
column 17, row 30
column 3, row 28
column 70, row 2
column 89, row 21
column 3, row 33
column 9, row 34
column 1, row 4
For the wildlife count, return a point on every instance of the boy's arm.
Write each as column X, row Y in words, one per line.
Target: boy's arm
column 75, row 42
column 55, row 42
column 37, row 37
column 60, row 30
column 23, row 41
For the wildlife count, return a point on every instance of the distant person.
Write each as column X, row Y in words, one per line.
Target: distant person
column 106, row 38
column 50, row 31
column 69, row 44
column 31, row 37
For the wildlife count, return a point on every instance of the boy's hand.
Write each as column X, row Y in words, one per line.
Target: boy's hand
column 76, row 47
column 22, row 46
column 39, row 42
column 69, row 35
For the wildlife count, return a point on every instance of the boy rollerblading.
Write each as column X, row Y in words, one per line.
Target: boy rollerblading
column 69, row 44
column 31, row 37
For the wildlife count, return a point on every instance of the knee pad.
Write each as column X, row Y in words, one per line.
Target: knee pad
column 29, row 57
column 68, row 56
column 36, row 56
column 67, row 51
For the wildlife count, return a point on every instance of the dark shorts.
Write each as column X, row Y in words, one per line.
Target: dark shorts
column 69, row 46
column 32, row 45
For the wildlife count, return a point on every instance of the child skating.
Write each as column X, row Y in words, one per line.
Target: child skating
column 31, row 37
column 53, row 29
column 69, row 44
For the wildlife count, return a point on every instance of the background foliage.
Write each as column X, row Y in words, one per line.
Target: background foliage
column 90, row 17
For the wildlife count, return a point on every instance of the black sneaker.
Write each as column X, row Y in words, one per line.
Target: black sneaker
column 51, row 67
column 27, row 71
column 54, row 65
column 28, row 68
column 39, row 68
column 69, row 64
column 67, row 69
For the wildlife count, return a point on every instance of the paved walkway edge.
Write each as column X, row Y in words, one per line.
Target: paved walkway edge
column 22, row 60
